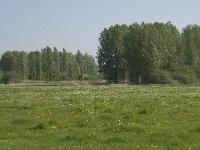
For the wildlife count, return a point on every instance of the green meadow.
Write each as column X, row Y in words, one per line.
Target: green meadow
column 145, row 117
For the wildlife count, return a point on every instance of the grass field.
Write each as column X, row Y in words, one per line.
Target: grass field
column 100, row 117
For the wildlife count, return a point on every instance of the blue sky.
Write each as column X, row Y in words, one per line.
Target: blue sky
column 76, row 24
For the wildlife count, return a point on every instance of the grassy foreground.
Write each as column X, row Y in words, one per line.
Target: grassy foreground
column 100, row 117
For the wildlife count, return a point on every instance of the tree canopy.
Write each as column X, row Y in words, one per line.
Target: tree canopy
column 50, row 65
column 139, row 53
column 149, row 53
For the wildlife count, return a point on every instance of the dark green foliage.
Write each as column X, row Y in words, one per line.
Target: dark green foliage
column 87, row 66
column 56, row 65
column 163, row 77
column 111, row 53
column 153, row 53
column 91, row 68
column 79, row 60
column 140, row 53
column 7, row 61
column 35, row 65
column 191, row 44
column 148, row 51
column 49, row 65
column 16, row 62
column 64, row 65
column 1, row 74
column 10, row 77
column 185, row 74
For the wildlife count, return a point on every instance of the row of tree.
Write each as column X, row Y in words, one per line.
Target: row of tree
column 49, row 65
column 150, row 53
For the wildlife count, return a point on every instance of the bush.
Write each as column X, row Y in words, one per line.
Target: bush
column 1, row 74
column 185, row 75
column 10, row 77
column 160, row 77
column 197, row 69
column 163, row 77
column 185, row 78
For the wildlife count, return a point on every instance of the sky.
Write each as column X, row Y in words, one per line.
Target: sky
column 76, row 24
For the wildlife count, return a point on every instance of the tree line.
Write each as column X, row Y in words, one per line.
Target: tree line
column 49, row 65
column 150, row 53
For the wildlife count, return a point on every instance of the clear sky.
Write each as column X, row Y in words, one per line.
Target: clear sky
column 76, row 24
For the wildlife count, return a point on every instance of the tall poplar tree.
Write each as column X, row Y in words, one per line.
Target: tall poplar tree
column 110, row 53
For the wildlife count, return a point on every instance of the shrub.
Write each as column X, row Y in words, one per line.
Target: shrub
column 165, row 77
column 185, row 74
column 197, row 69
column 10, row 77
column 1, row 74
column 160, row 77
